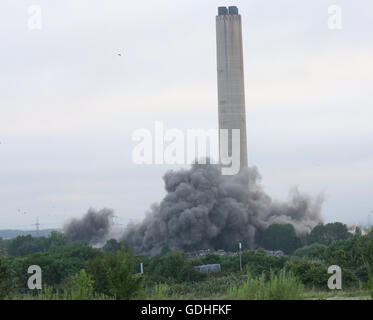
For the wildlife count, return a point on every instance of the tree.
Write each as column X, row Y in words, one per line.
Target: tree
column 257, row 262
column 57, row 239
column 6, row 276
column 97, row 268
column 123, row 283
column 4, row 244
column 173, row 267
column 328, row 233
column 24, row 245
column 280, row 237
column 53, row 269
column 57, row 264
column 367, row 250
column 210, row 259
column 349, row 255
column 112, row 245
column 313, row 251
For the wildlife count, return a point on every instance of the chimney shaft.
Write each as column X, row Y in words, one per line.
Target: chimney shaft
column 230, row 69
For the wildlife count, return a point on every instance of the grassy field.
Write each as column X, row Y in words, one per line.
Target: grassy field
column 279, row 287
column 276, row 286
column 308, row 295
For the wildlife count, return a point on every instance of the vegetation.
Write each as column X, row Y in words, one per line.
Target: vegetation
column 122, row 283
column 280, row 237
column 76, row 271
column 311, row 273
column 328, row 233
column 281, row 286
column 82, row 286
column 173, row 267
column 5, row 277
column 313, row 251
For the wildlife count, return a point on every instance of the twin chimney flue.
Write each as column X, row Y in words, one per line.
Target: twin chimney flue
column 232, row 10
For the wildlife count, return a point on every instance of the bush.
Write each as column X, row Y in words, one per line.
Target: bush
column 311, row 273
column 82, row 286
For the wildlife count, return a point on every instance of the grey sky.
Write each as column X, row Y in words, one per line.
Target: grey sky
column 69, row 103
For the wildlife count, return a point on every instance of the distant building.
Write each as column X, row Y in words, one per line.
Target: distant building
column 358, row 228
column 207, row 268
column 203, row 253
column 275, row 253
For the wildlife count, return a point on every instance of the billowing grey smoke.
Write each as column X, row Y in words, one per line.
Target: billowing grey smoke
column 94, row 227
column 203, row 209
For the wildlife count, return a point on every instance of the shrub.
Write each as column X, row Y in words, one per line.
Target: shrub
column 311, row 273
column 82, row 286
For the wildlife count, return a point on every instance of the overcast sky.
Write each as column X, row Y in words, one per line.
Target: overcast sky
column 69, row 103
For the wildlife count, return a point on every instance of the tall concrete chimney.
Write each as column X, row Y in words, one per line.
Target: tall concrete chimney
column 231, row 88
